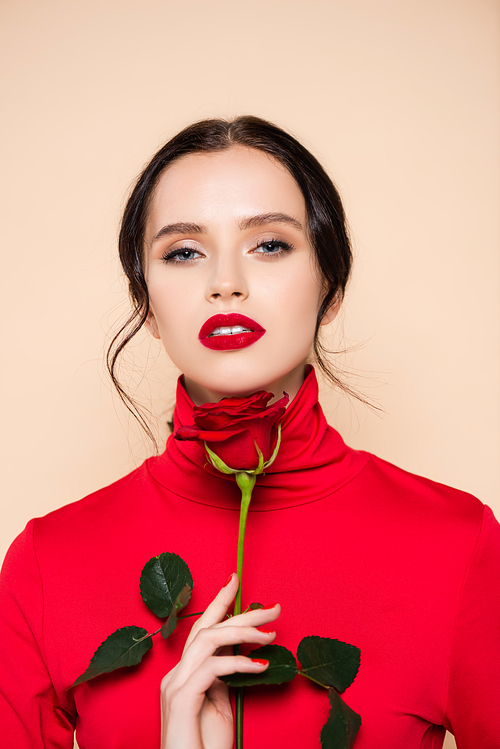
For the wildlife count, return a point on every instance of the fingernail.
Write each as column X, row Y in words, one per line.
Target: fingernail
column 266, row 630
column 228, row 580
column 260, row 661
column 271, row 606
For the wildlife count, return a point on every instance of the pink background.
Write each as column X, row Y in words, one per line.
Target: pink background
column 400, row 100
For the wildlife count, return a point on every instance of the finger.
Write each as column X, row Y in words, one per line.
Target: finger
column 254, row 618
column 217, row 666
column 217, row 609
column 208, row 641
column 190, row 695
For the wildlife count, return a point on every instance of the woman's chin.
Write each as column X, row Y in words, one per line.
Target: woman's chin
column 212, row 391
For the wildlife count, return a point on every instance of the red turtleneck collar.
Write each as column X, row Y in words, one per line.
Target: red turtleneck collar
column 313, row 460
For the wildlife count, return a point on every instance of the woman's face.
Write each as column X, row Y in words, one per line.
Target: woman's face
column 233, row 287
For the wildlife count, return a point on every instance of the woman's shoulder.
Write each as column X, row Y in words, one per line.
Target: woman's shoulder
column 104, row 511
column 402, row 516
column 418, row 501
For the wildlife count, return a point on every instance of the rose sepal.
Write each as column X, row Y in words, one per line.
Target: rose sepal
column 275, row 451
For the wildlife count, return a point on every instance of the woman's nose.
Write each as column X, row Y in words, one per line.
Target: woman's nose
column 227, row 281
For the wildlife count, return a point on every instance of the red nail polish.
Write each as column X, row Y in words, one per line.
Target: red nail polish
column 266, row 630
column 228, row 580
column 260, row 661
column 269, row 607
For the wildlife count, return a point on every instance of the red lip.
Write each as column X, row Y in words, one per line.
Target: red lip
column 229, row 342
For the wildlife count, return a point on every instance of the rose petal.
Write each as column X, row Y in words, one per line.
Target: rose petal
column 233, row 426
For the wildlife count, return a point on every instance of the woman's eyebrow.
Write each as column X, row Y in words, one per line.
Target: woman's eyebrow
column 181, row 227
column 269, row 218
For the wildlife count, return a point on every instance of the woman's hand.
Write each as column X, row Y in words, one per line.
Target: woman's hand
column 195, row 708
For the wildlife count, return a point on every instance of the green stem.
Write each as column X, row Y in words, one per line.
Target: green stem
column 246, row 483
column 301, row 672
column 239, row 717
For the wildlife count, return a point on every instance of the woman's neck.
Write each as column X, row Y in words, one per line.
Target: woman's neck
column 289, row 383
column 312, row 461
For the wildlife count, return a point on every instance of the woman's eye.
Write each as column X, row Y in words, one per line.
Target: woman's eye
column 273, row 247
column 183, row 255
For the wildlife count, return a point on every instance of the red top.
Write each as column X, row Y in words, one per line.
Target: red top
column 352, row 547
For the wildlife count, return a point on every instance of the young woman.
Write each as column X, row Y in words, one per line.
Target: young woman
column 235, row 247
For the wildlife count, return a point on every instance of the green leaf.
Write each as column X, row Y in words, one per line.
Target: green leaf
column 169, row 624
column 282, row 667
column 162, row 580
column 339, row 731
column 331, row 663
column 125, row 647
column 182, row 600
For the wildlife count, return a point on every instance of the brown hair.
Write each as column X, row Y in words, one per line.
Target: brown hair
column 327, row 227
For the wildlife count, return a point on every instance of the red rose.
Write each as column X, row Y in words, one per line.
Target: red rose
column 233, row 425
